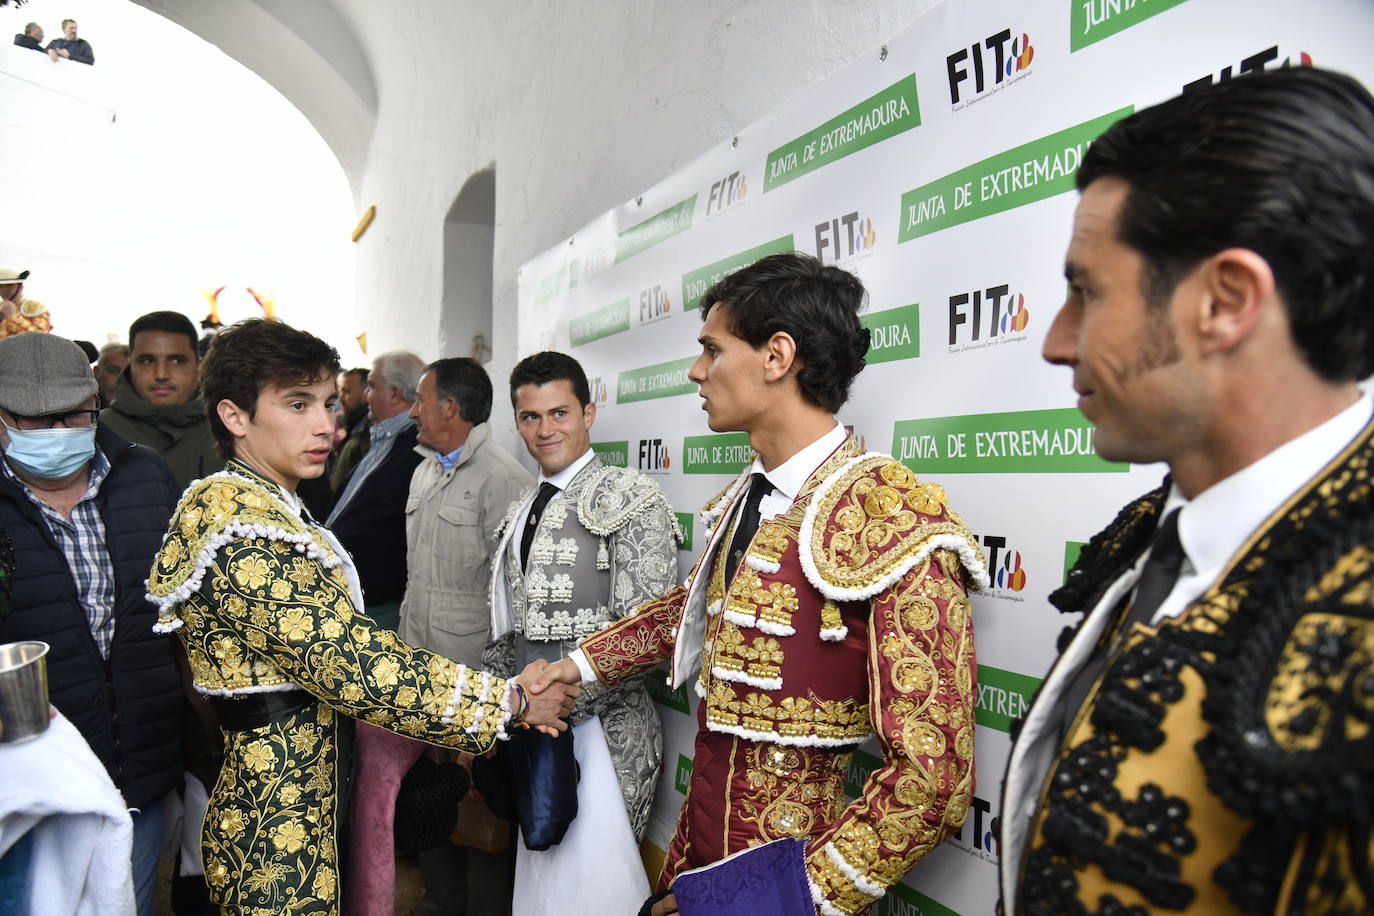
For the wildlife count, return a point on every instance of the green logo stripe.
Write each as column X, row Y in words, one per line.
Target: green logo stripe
column 1019, row 176
column 896, row 334
column 616, row 454
column 1071, row 551
column 603, row 322
column 1091, row 21
column 1003, row 696
column 726, row 453
column 701, row 279
column 683, row 774
column 658, row 228
column 1025, row 442
column 860, row 765
column 656, row 682
column 901, row 900
column 887, row 114
column 661, row 380
column 685, row 520
column 557, row 281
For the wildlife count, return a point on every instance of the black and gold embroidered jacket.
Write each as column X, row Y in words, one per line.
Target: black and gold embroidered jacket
column 1224, row 761
column 266, row 603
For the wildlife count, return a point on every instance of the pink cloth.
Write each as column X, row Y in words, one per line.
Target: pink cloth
column 382, row 760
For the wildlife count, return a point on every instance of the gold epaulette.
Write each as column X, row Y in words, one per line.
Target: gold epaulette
column 871, row 521
column 212, row 512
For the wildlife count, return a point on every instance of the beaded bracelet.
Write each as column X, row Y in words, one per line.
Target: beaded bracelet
column 518, row 718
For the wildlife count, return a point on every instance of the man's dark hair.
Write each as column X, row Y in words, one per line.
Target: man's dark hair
column 246, row 358
column 360, row 373
column 168, row 322
column 817, row 305
column 466, row 382
column 1280, row 163
column 548, row 366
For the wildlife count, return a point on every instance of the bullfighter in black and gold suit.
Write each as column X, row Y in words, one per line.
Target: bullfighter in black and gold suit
column 268, row 608
column 1205, row 742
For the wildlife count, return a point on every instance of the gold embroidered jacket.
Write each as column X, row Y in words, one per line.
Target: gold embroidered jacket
column 263, row 602
column 1223, row 763
column 847, row 618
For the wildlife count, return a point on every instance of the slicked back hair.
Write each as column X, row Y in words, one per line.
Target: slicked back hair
column 1280, row 163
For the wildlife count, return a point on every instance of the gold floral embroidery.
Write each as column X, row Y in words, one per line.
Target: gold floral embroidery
column 386, row 671
column 790, row 789
column 777, row 603
column 735, row 705
column 865, row 528
column 289, row 837
column 250, row 572
column 296, row 624
column 771, row 540
column 260, row 756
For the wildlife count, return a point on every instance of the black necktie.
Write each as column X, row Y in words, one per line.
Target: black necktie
column 1160, row 573
column 1157, row 579
column 747, row 524
column 546, row 492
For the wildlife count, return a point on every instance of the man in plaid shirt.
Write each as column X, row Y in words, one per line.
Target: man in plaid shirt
column 86, row 511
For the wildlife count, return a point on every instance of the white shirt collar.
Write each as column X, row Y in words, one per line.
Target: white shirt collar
column 565, row 476
column 1216, row 523
column 787, row 478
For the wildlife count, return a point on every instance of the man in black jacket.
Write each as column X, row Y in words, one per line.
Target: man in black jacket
column 31, row 37
column 86, row 511
column 369, row 516
column 71, row 47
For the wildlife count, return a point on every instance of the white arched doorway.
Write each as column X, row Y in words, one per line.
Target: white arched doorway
column 469, row 240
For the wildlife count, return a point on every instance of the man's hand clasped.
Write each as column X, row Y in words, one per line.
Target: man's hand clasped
column 547, row 700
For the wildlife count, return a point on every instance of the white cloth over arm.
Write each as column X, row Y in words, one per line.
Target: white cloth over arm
column 56, row 789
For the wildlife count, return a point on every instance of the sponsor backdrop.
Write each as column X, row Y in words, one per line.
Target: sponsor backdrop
column 940, row 170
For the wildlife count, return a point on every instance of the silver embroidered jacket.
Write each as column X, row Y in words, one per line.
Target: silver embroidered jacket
column 603, row 547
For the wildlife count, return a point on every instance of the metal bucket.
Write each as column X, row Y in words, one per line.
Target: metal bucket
column 23, row 690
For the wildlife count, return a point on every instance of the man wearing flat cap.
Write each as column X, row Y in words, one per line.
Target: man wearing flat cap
column 86, row 511
column 17, row 312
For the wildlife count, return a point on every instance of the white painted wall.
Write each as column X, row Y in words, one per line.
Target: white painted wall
column 579, row 105
column 164, row 170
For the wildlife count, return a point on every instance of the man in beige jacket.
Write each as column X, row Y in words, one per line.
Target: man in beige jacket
column 458, row 496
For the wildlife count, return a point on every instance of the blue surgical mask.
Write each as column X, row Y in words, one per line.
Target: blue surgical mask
column 50, row 454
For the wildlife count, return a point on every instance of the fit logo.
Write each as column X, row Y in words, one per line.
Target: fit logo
column 652, row 456
column 986, row 313
column 597, row 389
column 726, row 193
column 1004, row 564
column 844, row 237
column 985, row 823
column 987, row 63
column 1255, row 63
column 653, row 304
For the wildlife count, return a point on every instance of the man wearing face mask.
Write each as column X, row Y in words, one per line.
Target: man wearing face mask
column 86, row 511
